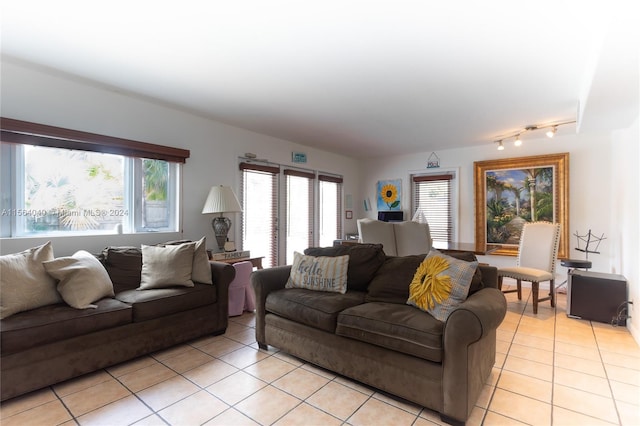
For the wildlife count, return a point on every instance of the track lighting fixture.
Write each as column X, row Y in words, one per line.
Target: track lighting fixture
column 553, row 128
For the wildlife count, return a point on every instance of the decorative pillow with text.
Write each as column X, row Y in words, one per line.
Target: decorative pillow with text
column 321, row 273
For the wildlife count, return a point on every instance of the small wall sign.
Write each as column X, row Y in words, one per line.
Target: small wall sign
column 433, row 161
column 298, row 157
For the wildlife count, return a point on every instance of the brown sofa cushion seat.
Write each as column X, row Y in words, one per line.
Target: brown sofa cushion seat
column 401, row 328
column 317, row 309
column 160, row 302
column 364, row 261
column 53, row 323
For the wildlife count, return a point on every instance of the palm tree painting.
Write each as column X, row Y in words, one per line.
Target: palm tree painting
column 515, row 197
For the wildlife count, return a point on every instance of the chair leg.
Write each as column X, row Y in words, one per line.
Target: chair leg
column 500, row 282
column 552, row 293
column 519, row 289
column 534, row 291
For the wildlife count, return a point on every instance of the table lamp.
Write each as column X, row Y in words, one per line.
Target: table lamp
column 221, row 199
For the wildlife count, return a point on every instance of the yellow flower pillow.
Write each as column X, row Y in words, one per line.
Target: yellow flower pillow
column 440, row 284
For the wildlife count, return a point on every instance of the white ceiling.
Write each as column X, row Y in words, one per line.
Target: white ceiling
column 359, row 78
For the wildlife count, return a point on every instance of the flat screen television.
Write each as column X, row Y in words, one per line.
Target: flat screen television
column 391, row 216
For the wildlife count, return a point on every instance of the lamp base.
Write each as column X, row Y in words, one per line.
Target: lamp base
column 221, row 227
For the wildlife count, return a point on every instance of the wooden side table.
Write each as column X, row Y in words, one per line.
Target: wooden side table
column 255, row 261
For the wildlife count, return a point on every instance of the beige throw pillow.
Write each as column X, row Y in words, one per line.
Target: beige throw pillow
column 166, row 266
column 201, row 271
column 320, row 273
column 24, row 283
column 82, row 279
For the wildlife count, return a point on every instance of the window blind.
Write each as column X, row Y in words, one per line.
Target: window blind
column 259, row 197
column 299, row 199
column 432, row 197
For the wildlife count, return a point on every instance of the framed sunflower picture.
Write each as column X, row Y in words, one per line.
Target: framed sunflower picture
column 389, row 194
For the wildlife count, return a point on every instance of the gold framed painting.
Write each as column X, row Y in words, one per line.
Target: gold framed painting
column 511, row 192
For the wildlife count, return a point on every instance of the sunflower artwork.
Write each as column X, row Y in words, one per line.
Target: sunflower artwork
column 389, row 194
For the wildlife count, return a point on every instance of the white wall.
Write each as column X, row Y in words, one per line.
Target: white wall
column 624, row 204
column 34, row 95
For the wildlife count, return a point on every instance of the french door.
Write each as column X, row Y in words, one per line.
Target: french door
column 287, row 210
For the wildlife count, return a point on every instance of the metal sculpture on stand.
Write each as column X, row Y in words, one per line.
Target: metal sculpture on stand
column 588, row 240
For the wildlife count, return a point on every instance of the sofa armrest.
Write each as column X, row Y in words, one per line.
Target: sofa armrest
column 482, row 312
column 470, row 348
column 264, row 281
column 489, row 275
column 221, row 275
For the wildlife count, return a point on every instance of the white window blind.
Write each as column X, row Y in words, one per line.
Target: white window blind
column 330, row 209
column 260, row 211
column 299, row 201
column 432, row 196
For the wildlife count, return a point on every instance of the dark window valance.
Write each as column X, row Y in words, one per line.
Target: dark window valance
column 25, row 132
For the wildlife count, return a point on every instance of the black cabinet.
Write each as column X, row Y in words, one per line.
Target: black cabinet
column 596, row 296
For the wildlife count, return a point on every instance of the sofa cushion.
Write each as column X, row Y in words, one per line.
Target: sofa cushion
column 123, row 264
column 391, row 282
column 319, row 273
column 24, row 283
column 166, row 266
column 401, row 328
column 314, row 308
column 440, row 284
column 159, row 302
column 364, row 261
column 82, row 279
column 58, row 322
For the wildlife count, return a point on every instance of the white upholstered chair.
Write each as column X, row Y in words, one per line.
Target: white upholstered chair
column 397, row 238
column 536, row 263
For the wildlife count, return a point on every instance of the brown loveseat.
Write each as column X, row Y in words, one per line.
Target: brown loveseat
column 371, row 335
column 47, row 345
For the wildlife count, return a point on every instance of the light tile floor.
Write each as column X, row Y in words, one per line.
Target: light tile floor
column 550, row 370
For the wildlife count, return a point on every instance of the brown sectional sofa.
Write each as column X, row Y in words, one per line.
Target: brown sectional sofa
column 371, row 335
column 53, row 343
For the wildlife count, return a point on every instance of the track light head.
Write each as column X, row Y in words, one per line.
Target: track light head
column 500, row 145
column 518, row 141
column 551, row 132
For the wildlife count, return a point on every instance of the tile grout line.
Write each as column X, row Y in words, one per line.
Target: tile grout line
column 606, row 374
column 495, row 388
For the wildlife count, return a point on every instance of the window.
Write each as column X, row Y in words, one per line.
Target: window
column 330, row 226
column 260, row 211
column 51, row 189
column 433, row 198
column 299, row 202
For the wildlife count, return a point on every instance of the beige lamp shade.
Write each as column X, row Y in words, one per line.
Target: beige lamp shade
column 221, row 199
